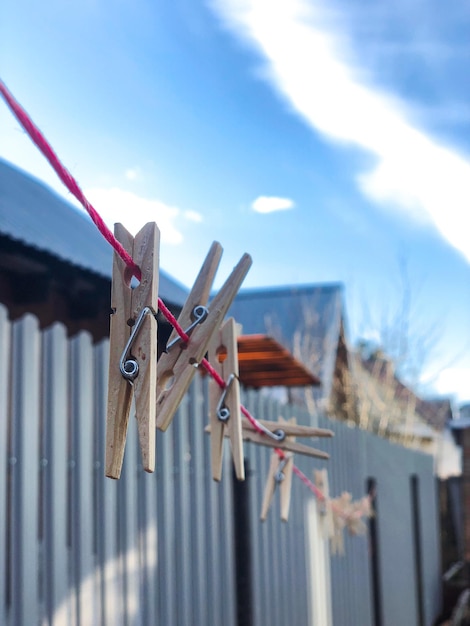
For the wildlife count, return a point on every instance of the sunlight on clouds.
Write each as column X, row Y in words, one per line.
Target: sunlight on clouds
column 453, row 378
column 193, row 216
column 269, row 204
column 426, row 181
column 117, row 205
column 133, row 173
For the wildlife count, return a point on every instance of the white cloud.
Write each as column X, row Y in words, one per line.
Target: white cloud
column 193, row 216
column 133, row 173
column 269, row 204
column 117, row 205
column 454, row 381
column 305, row 62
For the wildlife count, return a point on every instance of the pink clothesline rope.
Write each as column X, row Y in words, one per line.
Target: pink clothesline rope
column 69, row 181
column 65, row 176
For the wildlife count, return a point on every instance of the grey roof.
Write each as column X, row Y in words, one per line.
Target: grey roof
column 30, row 212
column 459, row 423
column 305, row 319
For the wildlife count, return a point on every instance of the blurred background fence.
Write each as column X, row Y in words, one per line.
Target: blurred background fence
column 175, row 547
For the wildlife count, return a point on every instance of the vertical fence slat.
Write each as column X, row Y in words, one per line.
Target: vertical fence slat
column 55, row 405
column 148, row 543
column 255, row 495
column 128, row 517
column 214, row 539
column 228, row 534
column 25, row 472
column 183, row 519
column 215, row 582
column 199, row 475
column 81, row 386
column 284, row 572
column 105, row 497
column 5, row 376
column 166, row 524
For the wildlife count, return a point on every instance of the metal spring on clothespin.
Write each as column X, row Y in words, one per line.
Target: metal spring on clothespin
column 199, row 314
column 223, row 412
column 279, row 476
column 129, row 367
column 277, row 435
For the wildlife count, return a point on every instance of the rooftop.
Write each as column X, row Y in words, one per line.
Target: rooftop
column 263, row 362
column 32, row 214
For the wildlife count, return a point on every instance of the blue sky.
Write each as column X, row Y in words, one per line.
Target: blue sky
column 330, row 140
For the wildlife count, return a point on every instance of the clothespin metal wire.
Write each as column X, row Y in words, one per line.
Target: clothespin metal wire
column 129, row 367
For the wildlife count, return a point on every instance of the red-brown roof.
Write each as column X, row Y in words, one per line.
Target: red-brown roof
column 263, row 362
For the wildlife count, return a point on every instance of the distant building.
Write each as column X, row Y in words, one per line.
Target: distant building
column 309, row 321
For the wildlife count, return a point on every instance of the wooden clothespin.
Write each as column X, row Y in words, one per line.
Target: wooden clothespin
column 280, row 473
column 324, row 503
column 133, row 348
column 224, row 404
column 282, row 435
column 340, row 509
column 177, row 366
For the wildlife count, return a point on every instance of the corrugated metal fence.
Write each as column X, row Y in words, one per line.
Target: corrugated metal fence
column 175, row 548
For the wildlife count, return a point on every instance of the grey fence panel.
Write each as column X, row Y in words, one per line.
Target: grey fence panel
column 227, row 515
column 5, row 363
column 82, row 549
column 147, row 545
column 148, row 548
column 183, row 512
column 214, row 540
column 128, row 542
column 391, row 466
column 429, row 532
column 105, row 502
column 350, row 578
column 166, row 528
column 54, row 468
column 356, row 554
column 252, row 454
column 213, row 536
column 81, row 494
column 199, row 477
column 265, row 585
column 279, row 565
column 339, row 482
column 257, row 542
column 24, row 463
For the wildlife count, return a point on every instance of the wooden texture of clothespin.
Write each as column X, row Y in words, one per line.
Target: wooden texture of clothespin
column 324, row 504
column 176, row 367
column 291, row 430
column 127, row 305
column 224, row 404
column 280, row 474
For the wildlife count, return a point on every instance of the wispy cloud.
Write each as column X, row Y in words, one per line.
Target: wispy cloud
column 305, row 61
column 132, row 173
column 193, row 216
column 269, row 204
column 453, row 378
column 133, row 211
